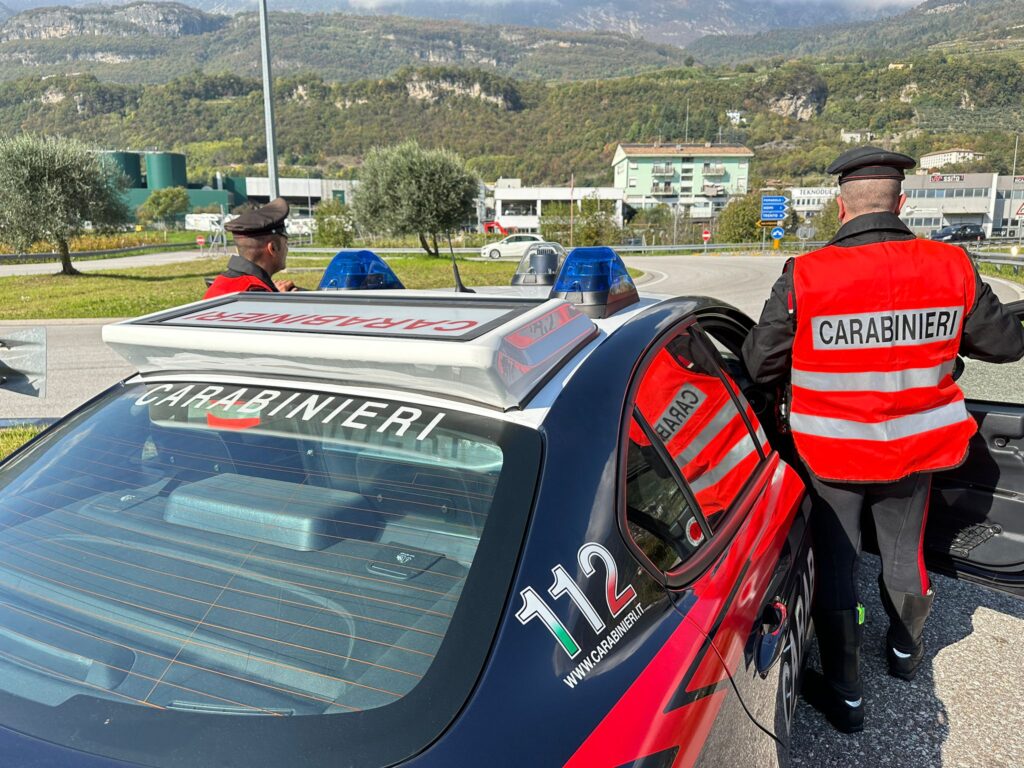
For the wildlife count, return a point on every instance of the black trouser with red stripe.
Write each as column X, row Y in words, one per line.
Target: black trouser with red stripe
column 899, row 510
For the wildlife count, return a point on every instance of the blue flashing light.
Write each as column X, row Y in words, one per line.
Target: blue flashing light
column 358, row 271
column 595, row 278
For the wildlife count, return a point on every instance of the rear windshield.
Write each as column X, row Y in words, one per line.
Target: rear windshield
column 203, row 573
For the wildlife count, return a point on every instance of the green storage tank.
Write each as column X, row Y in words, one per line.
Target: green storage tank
column 130, row 164
column 165, row 169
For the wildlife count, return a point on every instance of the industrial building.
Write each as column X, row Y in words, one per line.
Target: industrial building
column 149, row 171
column 991, row 200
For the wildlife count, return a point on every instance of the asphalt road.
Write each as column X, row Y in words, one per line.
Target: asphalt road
column 964, row 709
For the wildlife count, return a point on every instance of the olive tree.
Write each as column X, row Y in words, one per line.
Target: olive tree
column 408, row 190
column 738, row 221
column 49, row 188
column 335, row 224
column 165, row 205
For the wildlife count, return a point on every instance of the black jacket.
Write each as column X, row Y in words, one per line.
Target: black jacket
column 990, row 332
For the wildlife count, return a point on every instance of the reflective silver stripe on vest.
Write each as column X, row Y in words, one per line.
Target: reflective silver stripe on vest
column 725, row 413
column 872, row 381
column 729, row 462
column 884, row 431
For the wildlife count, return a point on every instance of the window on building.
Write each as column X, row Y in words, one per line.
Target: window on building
column 519, row 208
column 632, row 182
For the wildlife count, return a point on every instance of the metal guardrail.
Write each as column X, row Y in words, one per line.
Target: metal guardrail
column 27, row 258
column 635, row 249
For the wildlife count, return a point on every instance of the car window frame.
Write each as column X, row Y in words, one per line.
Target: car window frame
column 716, row 540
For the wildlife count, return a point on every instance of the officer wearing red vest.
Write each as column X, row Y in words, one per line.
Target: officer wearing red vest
column 867, row 330
column 262, row 245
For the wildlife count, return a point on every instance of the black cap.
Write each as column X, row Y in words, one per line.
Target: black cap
column 871, row 163
column 268, row 220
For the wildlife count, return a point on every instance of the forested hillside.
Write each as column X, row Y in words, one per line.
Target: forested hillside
column 791, row 115
column 127, row 46
column 948, row 25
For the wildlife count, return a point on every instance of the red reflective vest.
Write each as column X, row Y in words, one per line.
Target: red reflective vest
column 224, row 285
column 877, row 331
column 702, row 429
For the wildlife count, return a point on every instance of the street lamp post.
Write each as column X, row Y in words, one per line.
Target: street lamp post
column 268, row 103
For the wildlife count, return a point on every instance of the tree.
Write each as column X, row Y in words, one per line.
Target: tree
column 335, row 224
column 738, row 222
column 826, row 223
column 49, row 189
column 593, row 223
column 407, row 190
column 165, row 205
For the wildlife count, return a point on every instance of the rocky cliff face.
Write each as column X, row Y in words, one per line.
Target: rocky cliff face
column 167, row 20
column 425, row 87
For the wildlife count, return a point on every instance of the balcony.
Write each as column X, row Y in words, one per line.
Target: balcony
column 713, row 190
column 663, row 170
column 663, row 188
column 713, row 169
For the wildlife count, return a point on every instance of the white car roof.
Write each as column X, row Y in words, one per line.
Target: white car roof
column 496, row 348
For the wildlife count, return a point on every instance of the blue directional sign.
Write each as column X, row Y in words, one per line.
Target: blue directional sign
column 773, row 207
column 778, row 233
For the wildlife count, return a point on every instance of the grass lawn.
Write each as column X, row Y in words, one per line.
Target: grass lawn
column 13, row 437
column 1004, row 271
column 132, row 292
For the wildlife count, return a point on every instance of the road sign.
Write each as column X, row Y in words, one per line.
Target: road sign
column 200, row 241
column 805, row 232
column 778, row 233
column 706, row 234
column 773, row 215
column 1020, row 211
column 773, row 199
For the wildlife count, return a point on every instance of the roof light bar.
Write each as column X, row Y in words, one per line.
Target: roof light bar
column 596, row 280
column 358, row 271
column 494, row 351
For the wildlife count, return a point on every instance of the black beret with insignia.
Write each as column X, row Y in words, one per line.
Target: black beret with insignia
column 871, row 163
column 268, row 220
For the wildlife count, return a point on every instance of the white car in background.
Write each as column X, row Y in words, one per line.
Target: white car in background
column 511, row 246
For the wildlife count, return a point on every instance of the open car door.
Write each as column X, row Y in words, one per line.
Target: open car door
column 975, row 528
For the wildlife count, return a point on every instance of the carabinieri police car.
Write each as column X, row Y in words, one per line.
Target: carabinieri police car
column 538, row 526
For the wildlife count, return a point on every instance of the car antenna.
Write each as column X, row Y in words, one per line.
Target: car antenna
column 459, row 287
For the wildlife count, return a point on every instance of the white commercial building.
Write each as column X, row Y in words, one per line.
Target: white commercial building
column 808, row 201
column 948, row 157
column 519, row 208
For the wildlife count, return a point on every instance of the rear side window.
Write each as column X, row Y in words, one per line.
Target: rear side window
column 215, row 551
column 689, row 430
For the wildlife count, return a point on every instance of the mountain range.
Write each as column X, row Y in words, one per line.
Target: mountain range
column 677, row 22
column 953, row 26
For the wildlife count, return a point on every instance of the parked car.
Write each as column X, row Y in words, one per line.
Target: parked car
column 959, row 233
column 513, row 246
column 540, row 526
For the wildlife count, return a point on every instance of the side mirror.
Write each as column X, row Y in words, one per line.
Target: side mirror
column 23, row 361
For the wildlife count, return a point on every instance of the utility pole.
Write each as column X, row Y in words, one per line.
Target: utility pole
column 268, row 103
column 1014, row 207
column 687, row 139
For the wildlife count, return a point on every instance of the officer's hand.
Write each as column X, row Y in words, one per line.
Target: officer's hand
column 285, row 285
